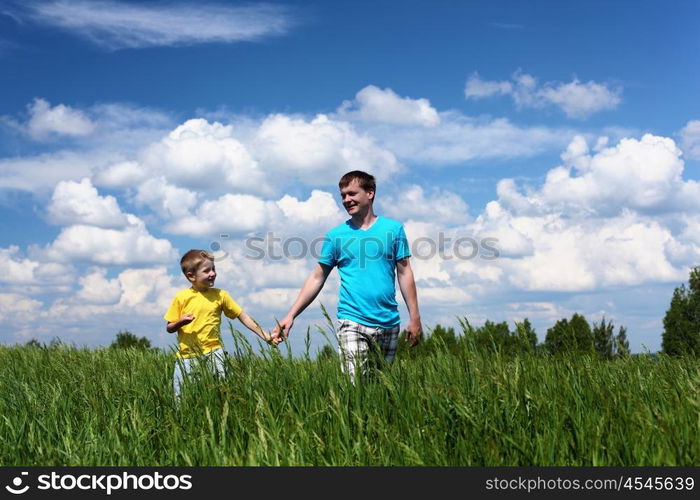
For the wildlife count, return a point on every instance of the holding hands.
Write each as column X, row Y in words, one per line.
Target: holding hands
column 281, row 330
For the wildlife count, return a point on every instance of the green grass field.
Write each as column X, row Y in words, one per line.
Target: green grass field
column 70, row 406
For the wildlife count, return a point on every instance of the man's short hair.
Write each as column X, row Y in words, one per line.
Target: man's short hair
column 191, row 261
column 365, row 180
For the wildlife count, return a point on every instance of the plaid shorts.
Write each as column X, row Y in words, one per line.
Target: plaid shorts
column 364, row 347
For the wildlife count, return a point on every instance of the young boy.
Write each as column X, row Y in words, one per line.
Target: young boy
column 195, row 314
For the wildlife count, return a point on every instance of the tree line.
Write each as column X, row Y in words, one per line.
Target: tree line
column 567, row 335
column 681, row 335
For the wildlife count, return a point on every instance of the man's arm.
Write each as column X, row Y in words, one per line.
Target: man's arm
column 309, row 291
column 407, row 284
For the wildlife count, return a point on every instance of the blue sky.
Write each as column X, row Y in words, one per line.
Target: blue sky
column 133, row 131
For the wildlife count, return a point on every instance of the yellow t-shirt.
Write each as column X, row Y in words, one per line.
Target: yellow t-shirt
column 202, row 335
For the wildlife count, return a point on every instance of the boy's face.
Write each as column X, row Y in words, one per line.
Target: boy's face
column 204, row 277
column 355, row 199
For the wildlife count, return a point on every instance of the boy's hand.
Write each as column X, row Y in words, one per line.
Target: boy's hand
column 186, row 319
column 267, row 337
column 271, row 339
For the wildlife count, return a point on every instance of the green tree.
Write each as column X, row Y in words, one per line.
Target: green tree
column 441, row 337
column 582, row 334
column 682, row 320
column 127, row 340
column 556, row 340
column 494, row 337
column 327, row 352
column 526, row 336
column 572, row 335
column 438, row 338
column 35, row 344
column 622, row 346
column 603, row 334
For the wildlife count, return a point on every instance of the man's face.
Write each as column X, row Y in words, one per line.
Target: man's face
column 355, row 199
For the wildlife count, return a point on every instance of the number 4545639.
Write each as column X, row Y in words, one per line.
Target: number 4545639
column 659, row 483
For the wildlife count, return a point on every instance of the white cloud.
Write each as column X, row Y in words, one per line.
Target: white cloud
column 320, row 209
column 130, row 147
column 80, row 203
column 280, row 299
column 245, row 270
column 459, row 138
column 238, row 214
column 573, row 255
column 129, row 246
column 121, row 175
column 43, row 172
column 413, row 202
column 142, row 293
column 231, row 213
column 477, row 88
column 616, row 216
column 166, row 200
column 14, row 269
column 575, row 99
column 644, row 175
column 602, row 220
column 497, row 223
column 146, row 290
column 444, row 296
column 579, row 100
column 106, row 156
column 690, row 140
column 16, row 308
column 117, row 25
column 547, row 312
column 319, row 151
column 23, row 274
column 199, row 155
column 121, row 116
column 97, row 289
column 46, row 121
column 384, row 105
column 250, row 157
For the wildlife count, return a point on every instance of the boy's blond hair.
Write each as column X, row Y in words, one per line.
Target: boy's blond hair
column 191, row 261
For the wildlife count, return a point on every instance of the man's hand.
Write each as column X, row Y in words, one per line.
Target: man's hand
column 281, row 330
column 414, row 332
column 186, row 319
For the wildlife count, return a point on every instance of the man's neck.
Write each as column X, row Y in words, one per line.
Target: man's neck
column 364, row 221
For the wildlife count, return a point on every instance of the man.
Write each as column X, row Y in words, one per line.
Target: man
column 370, row 252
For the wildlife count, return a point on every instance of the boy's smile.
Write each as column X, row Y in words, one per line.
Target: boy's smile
column 204, row 277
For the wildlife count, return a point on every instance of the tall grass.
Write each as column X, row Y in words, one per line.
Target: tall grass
column 71, row 406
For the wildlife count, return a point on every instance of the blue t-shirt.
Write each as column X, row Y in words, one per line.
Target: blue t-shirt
column 366, row 261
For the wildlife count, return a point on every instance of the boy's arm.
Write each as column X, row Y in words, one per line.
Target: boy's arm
column 253, row 326
column 407, row 284
column 309, row 291
column 173, row 326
